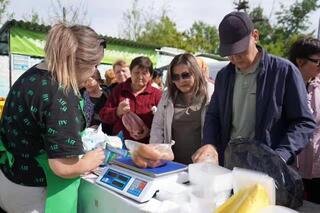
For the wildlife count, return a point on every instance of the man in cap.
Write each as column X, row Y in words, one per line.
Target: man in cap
column 257, row 96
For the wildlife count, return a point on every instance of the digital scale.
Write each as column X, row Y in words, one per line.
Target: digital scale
column 139, row 184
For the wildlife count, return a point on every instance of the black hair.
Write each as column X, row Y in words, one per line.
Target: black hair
column 142, row 62
column 157, row 73
column 304, row 48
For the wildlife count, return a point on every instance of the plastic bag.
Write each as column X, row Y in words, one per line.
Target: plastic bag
column 133, row 123
column 255, row 155
column 93, row 138
column 164, row 148
column 112, row 145
column 113, row 153
column 247, row 200
column 243, row 178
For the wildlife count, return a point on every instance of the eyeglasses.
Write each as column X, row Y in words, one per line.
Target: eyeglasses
column 184, row 75
column 315, row 61
column 103, row 43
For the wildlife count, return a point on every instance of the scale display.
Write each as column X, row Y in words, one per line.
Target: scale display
column 115, row 179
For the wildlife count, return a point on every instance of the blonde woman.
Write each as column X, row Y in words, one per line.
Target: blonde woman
column 41, row 128
column 181, row 111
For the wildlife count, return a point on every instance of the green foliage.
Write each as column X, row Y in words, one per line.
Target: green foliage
column 163, row 32
column 295, row 18
column 202, row 37
column 291, row 24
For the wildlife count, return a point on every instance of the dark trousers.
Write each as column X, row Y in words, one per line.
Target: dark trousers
column 312, row 189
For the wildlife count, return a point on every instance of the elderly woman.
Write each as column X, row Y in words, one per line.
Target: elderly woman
column 95, row 96
column 305, row 54
column 136, row 95
column 40, row 137
column 181, row 111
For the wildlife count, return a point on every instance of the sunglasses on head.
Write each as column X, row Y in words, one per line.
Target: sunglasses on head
column 103, row 43
column 184, row 75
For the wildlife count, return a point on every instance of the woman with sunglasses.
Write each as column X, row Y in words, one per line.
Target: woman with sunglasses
column 40, row 135
column 180, row 114
column 305, row 54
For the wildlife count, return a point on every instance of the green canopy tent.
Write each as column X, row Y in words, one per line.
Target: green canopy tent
column 21, row 40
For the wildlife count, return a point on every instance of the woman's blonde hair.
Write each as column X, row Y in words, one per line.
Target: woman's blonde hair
column 200, row 84
column 72, row 51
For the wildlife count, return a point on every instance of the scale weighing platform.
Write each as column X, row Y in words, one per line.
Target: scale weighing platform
column 139, row 184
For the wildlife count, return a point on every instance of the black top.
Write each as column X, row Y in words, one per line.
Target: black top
column 39, row 117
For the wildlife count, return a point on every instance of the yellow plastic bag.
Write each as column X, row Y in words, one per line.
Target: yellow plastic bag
column 247, row 200
column 1, row 106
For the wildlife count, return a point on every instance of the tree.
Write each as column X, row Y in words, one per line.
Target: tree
column 241, row 5
column 295, row 19
column 202, row 37
column 69, row 14
column 133, row 23
column 291, row 23
column 261, row 22
column 33, row 17
column 163, row 32
column 4, row 14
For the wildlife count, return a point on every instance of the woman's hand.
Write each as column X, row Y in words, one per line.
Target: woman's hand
column 206, row 153
column 147, row 156
column 93, row 159
column 123, row 107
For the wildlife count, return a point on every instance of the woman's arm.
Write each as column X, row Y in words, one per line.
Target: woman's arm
column 74, row 167
column 157, row 127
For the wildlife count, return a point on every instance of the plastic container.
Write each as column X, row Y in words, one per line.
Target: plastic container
column 215, row 178
column 211, row 185
column 175, row 192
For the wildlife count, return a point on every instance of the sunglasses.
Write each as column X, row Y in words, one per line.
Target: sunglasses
column 184, row 75
column 315, row 61
column 103, row 43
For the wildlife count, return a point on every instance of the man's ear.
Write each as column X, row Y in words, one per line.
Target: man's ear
column 256, row 35
column 300, row 62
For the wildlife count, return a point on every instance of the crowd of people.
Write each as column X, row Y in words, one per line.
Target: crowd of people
column 257, row 96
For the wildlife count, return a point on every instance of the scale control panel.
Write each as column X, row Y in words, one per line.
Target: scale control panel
column 127, row 184
column 137, row 187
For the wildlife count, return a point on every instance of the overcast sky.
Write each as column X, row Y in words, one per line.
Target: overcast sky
column 106, row 16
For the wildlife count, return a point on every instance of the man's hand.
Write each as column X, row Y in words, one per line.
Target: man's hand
column 206, row 153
